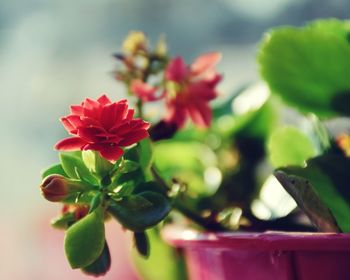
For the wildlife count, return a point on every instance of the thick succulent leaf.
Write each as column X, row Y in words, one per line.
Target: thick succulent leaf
column 100, row 266
column 85, row 240
column 289, row 146
column 187, row 161
column 54, row 169
column 329, row 175
column 96, row 201
column 320, row 135
column 145, row 154
column 308, row 200
column 130, row 179
column 141, row 211
column 334, row 27
column 149, row 186
column 63, row 221
column 256, row 122
column 142, row 243
column 73, row 165
column 309, row 67
column 96, row 164
column 128, row 166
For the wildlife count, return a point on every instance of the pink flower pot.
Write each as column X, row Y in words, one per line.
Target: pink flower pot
column 263, row 256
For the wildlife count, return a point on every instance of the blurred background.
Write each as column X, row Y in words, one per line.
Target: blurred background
column 55, row 53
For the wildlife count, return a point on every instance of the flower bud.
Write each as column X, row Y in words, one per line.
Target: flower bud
column 134, row 42
column 161, row 48
column 56, row 187
column 78, row 210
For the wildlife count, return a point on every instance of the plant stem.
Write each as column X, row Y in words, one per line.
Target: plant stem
column 139, row 106
column 206, row 223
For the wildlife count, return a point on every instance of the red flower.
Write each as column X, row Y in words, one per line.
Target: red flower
column 194, row 88
column 102, row 126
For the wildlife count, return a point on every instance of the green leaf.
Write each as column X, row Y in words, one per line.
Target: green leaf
column 333, row 27
column 54, row 169
column 145, row 154
column 308, row 200
column 128, row 166
column 225, row 107
column 64, row 221
column 257, row 122
column 186, row 161
column 124, row 189
column 141, row 211
column 329, row 175
column 95, row 201
column 96, row 164
column 131, row 153
column 85, row 240
column 75, row 168
column 172, row 264
column 100, row 266
column 131, row 179
column 320, row 134
column 289, row 146
column 142, row 243
column 149, row 186
column 309, row 67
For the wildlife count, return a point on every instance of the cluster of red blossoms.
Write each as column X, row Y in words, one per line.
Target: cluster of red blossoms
column 188, row 90
column 107, row 127
column 103, row 126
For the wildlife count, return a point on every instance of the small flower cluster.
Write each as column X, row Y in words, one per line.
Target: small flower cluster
column 186, row 89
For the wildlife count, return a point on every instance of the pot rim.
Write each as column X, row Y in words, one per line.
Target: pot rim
column 181, row 237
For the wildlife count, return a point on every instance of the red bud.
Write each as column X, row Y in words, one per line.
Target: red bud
column 56, row 187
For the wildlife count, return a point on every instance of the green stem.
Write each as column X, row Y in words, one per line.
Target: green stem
column 206, row 223
column 139, row 106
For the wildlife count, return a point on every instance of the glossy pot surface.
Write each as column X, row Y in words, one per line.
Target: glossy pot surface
column 263, row 256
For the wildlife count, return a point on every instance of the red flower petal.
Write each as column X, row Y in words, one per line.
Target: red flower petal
column 176, row 113
column 133, row 137
column 200, row 114
column 108, row 115
column 134, row 124
column 77, row 110
column 92, row 108
column 75, row 121
column 144, row 91
column 68, row 126
column 91, row 104
column 111, row 153
column 70, row 144
column 121, row 111
column 201, row 91
column 176, row 70
column 88, row 122
column 89, row 134
column 104, row 100
column 130, row 114
column 204, row 63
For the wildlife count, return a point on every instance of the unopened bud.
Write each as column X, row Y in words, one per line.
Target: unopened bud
column 57, row 187
column 161, row 48
column 134, row 42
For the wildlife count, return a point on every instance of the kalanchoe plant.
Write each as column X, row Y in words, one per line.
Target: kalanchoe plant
column 101, row 175
column 208, row 164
